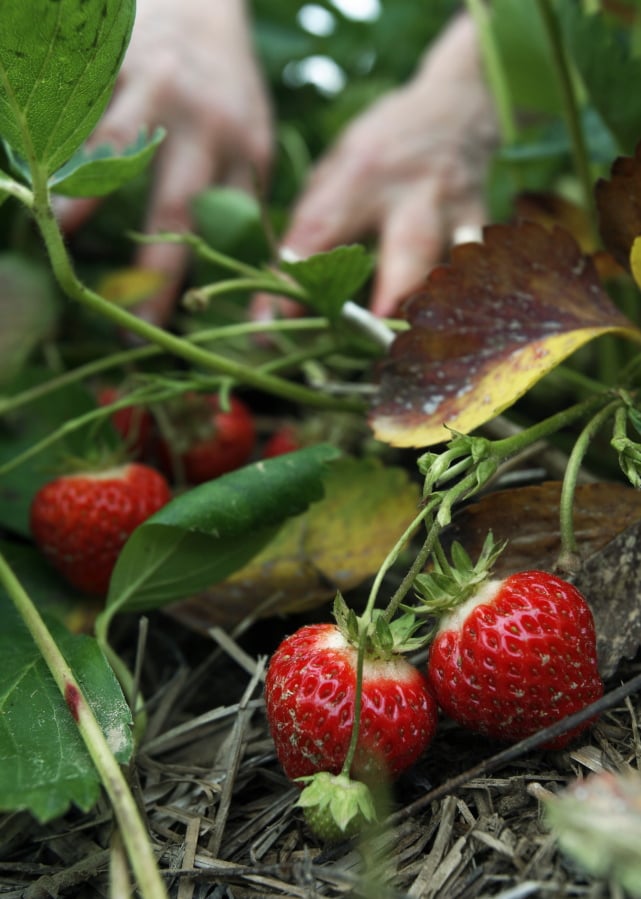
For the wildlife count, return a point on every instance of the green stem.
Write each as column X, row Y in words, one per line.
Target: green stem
column 17, row 190
column 417, row 566
column 134, row 833
column 199, row 297
column 566, row 503
column 390, row 560
column 128, row 357
column 202, row 249
column 494, row 70
column 509, row 446
column 67, row 279
column 570, row 109
column 358, row 694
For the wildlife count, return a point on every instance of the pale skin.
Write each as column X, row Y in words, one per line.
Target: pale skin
column 408, row 172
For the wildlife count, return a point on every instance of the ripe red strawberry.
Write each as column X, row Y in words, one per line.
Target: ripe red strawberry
column 134, row 423
column 284, row 440
column 207, row 441
column 82, row 521
column 309, row 694
column 517, row 655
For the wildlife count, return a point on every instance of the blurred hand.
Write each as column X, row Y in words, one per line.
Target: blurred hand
column 191, row 68
column 410, row 171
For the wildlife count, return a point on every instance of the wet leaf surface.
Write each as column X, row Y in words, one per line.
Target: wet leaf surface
column 486, row 328
column 336, row 544
column 607, row 519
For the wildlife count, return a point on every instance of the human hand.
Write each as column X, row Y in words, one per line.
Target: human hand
column 190, row 68
column 409, row 170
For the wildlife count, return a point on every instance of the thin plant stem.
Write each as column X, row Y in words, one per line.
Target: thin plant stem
column 129, row 357
column 570, row 109
column 177, row 346
column 134, row 834
column 358, row 694
column 391, row 558
column 566, row 502
column 494, row 70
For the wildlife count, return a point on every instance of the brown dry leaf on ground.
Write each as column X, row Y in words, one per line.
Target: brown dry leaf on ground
column 486, row 327
column 335, row 545
column 607, row 520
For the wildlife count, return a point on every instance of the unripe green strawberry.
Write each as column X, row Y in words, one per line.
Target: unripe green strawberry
column 335, row 807
column 81, row 521
column 310, row 692
column 517, row 655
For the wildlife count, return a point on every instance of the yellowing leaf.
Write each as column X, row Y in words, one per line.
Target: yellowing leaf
column 129, row 286
column 486, row 328
column 335, row 545
column 635, row 260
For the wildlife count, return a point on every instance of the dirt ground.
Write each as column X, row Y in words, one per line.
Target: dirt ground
column 223, row 816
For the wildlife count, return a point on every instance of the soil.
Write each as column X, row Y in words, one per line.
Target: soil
column 224, row 821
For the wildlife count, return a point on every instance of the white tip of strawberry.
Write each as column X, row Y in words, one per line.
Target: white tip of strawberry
column 335, row 807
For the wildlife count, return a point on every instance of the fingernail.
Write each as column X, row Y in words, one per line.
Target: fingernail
column 287, row 254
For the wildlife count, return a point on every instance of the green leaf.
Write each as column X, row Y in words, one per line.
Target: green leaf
column 44, row 764
column 28, row 310
column 58, row 65
column 204, row 535
column 332, row 278
column 97, row 172
column 20, row 429
column 602, row 50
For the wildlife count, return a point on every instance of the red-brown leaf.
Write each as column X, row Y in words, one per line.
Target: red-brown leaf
column 485, row 328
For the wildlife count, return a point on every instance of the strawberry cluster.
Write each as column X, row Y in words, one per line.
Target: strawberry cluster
column 81, row 519
column 506, row 659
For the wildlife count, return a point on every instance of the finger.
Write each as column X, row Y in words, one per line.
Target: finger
column 334, row 209
column 412, row 241
column 185, row 167
column 118, row 127
column 466, row 222
column 72, row 213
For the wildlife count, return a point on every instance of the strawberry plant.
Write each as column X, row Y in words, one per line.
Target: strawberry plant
column 522, row 344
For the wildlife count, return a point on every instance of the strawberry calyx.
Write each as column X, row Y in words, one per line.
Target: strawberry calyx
column 98, row 461
column 381, row 639
column 336, row 807
column 449, row 584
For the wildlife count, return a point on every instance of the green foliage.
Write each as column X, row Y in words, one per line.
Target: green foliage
column 204, row 535
column 58, row 66
column 45, row 765
column 604, row 54
column 96, row 172
column 331, row 278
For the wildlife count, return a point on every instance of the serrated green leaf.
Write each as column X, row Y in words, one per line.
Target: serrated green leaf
column 44, row 764
column 58, row 66
column 204, row 535
column 332, row 278
column 97, row 172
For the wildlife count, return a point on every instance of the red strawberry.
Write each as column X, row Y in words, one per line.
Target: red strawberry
column 82, row 521
column 207, row 441
column 134, row 423
column 309, row 693
column 516, row 656
column 284, row 440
